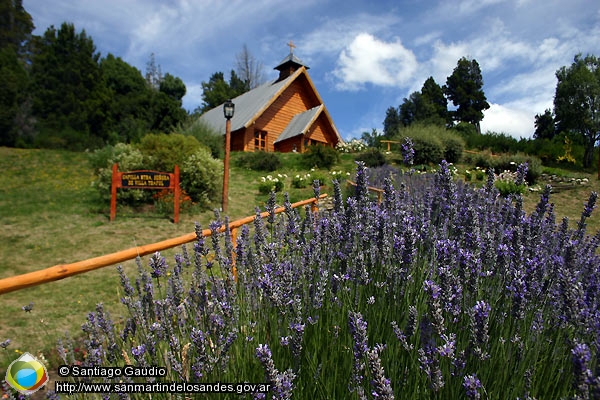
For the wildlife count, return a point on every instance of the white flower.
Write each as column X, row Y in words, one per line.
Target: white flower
column 279, row 175
column 263, row 179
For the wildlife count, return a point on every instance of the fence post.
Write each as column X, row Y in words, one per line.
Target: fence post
column 176, row 195
column 113, row 191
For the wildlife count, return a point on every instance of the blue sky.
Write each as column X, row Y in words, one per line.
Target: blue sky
column 364, row 56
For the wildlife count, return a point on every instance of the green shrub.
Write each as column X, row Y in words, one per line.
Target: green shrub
column 270, row 184
column 301, row 181
column 320, row 157
column 259, row 161
column 202, row 177
column 453, row 147
column 508, row 187
column 162, row 152
column 372, row 158
column 433, row 143
column 129, row 159
column 510, row 162
column 205, row 135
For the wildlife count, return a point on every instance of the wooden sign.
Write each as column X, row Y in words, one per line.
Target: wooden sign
column 144, row 180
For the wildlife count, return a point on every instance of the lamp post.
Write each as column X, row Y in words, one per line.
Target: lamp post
column 228, row 109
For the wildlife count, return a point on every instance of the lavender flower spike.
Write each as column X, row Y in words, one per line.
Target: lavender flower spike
column 408, row 151
column 282, row 382
column 472, row 386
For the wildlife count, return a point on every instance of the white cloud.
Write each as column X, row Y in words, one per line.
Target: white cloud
column 370, row 60
column 509, row 120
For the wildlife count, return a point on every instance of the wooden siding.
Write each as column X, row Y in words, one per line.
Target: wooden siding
column 287, row 146
column 296, row 99
column 321, row 132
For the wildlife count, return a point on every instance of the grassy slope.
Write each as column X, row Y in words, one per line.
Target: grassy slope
column 49, row 215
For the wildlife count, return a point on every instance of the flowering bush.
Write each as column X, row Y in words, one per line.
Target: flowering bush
column 441, row 291
column 301, row 181
column 268, row 184
column 353, row 146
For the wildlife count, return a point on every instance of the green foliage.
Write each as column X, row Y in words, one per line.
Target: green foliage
column 465, row 89
column 162, row 152
column 433, row 143
column 372, row 158
column 507, row 162
column 66, row 85
column 510, row 162
column 508, row 187
column 128, row 114
column 202, row 177
column 259, row 161
column 129, row 158
column 216, row 91
column 13, row 83
column 320, row 157
column 270, row 184
column 301, row 181
column 575, row 103
column 205, row 135
column 453, row 147
column 201, row 174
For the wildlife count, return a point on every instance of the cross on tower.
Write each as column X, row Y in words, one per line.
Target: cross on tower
column 292, row 45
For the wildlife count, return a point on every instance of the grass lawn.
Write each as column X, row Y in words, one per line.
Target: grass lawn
column 50, row 215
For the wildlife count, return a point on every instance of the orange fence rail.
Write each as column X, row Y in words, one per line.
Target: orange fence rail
column 378, row 191
column 62, row 271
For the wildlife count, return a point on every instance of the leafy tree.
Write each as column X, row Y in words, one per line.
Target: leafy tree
column 465, row 89
column 172, row 87
column 66, row 86
column 128, row 114
column 391, row 123
column 429, row 106
column 249, row 69
column 544, row 125
column 216, row 91
column 371, row 139
column 409, row 109
column 16, row 25
column 15, row 30
column 435, row 103
column 577, row 101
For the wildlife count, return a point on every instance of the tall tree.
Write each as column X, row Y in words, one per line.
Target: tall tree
column 15, row 32
column 128, row 114
column 16, row 25
column 577, row 101
column 465, row 89
column 216, row 91
column 411, row 109
column 544, row 125
column 249, row 69
column 435, row 103
column 391, row 123
column 66, row 85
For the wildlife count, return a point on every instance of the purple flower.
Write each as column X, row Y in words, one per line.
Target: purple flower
column 472, row 386
column 282, row 382
column 358, row 330
column 581, row 357
column 382, row 387
column 408, row 151
column 5, row 344
column 158, row 264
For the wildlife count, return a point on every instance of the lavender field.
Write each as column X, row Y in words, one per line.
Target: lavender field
column 442, row 291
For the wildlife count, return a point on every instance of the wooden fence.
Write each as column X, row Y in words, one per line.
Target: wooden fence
column 62, row 271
